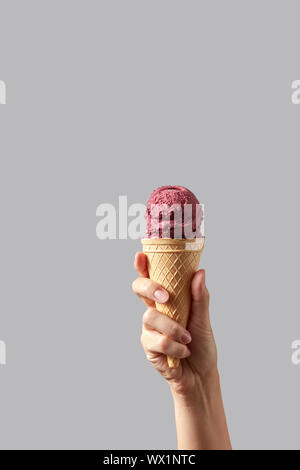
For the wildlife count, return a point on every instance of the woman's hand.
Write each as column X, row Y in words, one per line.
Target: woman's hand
column 162, row 336
column 199, row 412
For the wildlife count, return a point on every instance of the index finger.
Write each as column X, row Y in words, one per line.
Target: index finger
column 141, row 264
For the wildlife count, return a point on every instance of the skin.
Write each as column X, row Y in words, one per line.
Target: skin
column 195, row 385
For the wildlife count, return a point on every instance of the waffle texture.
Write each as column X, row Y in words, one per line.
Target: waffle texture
column 172, row 263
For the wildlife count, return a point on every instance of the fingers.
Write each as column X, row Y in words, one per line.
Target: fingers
column 141, row 264
column 154, row 320
column 149, row 290
column 144, row 288
column 154, row 342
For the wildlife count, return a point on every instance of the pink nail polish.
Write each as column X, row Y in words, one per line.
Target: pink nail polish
column 186, row 338
column 161, row 296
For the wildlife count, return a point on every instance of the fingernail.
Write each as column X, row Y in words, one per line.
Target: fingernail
column 186, row 338
column 161, row 296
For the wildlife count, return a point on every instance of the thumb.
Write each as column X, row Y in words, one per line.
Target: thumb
column 199, row 289
column 200, row 301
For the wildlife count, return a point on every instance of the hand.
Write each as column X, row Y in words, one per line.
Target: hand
column 162, row 336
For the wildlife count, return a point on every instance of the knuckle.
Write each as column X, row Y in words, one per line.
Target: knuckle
column 164, row 344
column 147, row 317
column 133, row 285
column 150, row 316
column 184, row 352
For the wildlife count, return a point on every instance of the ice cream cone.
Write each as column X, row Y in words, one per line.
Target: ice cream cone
column 172, row 263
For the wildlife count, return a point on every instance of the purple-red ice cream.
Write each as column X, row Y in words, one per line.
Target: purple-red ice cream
column 173, row 212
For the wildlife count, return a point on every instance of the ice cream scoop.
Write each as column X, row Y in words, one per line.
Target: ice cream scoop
column 173, row 212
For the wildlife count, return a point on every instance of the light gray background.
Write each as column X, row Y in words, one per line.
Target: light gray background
column 118, row 97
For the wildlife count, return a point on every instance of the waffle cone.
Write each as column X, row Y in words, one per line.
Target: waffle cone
column 172, row 263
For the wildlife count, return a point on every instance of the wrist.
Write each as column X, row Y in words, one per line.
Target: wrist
column 205, row 390
column 200, row 416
